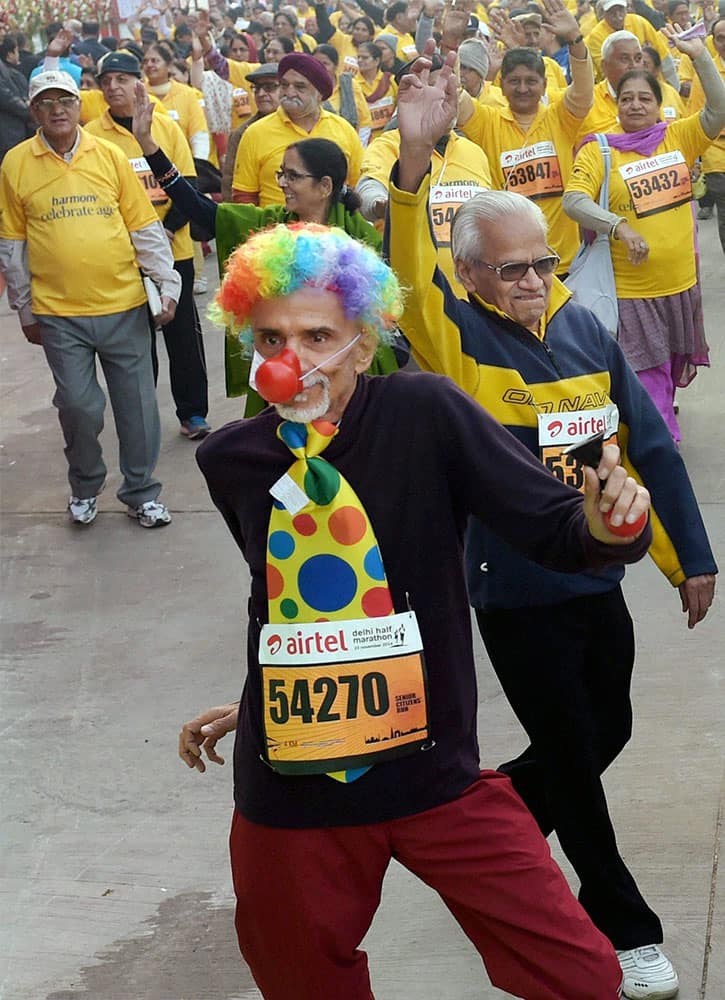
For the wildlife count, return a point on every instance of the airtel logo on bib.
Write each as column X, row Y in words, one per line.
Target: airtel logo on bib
column 581, row 427
column 274, row 644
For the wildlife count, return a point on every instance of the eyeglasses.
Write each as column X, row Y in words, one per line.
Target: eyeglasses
column 515, row 271
column 48, row 103
column 265, row 88
column 291, row 176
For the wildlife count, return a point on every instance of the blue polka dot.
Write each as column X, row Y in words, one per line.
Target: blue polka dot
column 281, row 544
column 373, row 564
column 278, row 504
column 327, row 583
column 293, row 435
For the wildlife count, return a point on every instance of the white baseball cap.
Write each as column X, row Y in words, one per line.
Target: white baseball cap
column 608, row 4
column 52, row 79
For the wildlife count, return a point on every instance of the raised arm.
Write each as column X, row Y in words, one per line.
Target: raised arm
column 712, row 116
column 579, row 95
column 185, row 197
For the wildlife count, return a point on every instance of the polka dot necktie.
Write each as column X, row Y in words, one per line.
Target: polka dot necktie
column 323, row 561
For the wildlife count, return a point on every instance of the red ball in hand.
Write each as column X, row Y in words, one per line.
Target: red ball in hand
column 279, row 379
column 625, row 530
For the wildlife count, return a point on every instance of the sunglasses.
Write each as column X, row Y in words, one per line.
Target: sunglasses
column 515, row 271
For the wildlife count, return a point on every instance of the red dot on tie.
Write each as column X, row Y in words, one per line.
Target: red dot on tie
column 321, row 620
column 347, row 525
column 325, row 428
column 377, row 602
column 275, row 582
column 304, row 524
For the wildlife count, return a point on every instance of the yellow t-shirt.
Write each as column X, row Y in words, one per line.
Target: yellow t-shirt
column 654, row 195
column 713, row 159
column 673, row 107
column 456, row 176
column 364, row 118
column 536, row 163
column 171, row 140
column 685, row 69
column 587, row 22
column 182, row 105
column 307, row 39
column 639, row 26
column 491, row 96
column 406, row 49
column 347, row 52
column 259, row 155
column 481, row 13
column 76, row 218
column 383, row 108
column 555, row 78
column 93, row 104
column 243, row 103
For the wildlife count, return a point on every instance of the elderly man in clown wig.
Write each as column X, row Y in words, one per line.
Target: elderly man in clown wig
column 356, row 732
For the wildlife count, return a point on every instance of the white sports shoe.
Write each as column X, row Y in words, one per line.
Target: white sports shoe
column 82, row 511
column 648, row 973
column 150, row 514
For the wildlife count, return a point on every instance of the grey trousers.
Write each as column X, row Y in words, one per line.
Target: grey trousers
column 121, row 342
column 716, row 187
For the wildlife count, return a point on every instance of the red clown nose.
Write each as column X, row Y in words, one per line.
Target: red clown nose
column 279, row 379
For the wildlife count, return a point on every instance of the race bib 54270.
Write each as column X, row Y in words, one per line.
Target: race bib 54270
column 341, row 695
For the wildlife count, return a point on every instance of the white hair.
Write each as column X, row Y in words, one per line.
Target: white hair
column 492, row 207
column 618, row 36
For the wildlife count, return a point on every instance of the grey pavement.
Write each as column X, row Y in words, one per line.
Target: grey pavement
column 113, row 857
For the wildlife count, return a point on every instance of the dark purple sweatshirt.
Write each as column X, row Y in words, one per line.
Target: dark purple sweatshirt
column 422, row 456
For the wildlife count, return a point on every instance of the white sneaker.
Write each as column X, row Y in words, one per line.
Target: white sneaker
column 648, row 973
column 82, row 511
column 200, row 285
column 151, row 514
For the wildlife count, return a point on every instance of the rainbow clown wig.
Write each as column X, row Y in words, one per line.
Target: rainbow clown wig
column 282, row 259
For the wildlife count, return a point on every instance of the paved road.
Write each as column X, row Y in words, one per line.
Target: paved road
column 113, row 862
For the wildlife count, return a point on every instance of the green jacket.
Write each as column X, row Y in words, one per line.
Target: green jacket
column 234, row 224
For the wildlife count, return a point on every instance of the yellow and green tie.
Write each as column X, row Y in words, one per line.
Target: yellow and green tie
column 323, row 561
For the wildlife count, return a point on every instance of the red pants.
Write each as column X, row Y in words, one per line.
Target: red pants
column 306, row 898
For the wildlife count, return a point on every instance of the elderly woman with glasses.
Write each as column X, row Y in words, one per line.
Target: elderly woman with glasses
column 312, row 183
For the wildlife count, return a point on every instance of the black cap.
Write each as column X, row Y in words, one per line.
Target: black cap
column 120, row 62
column 265, row 70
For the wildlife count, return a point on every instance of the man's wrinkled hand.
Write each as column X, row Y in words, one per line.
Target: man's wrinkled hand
column 59, row 44
column 168, row 311
column 204, row 732
column 696, row 595
column 621, row 496
column 32, row 333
